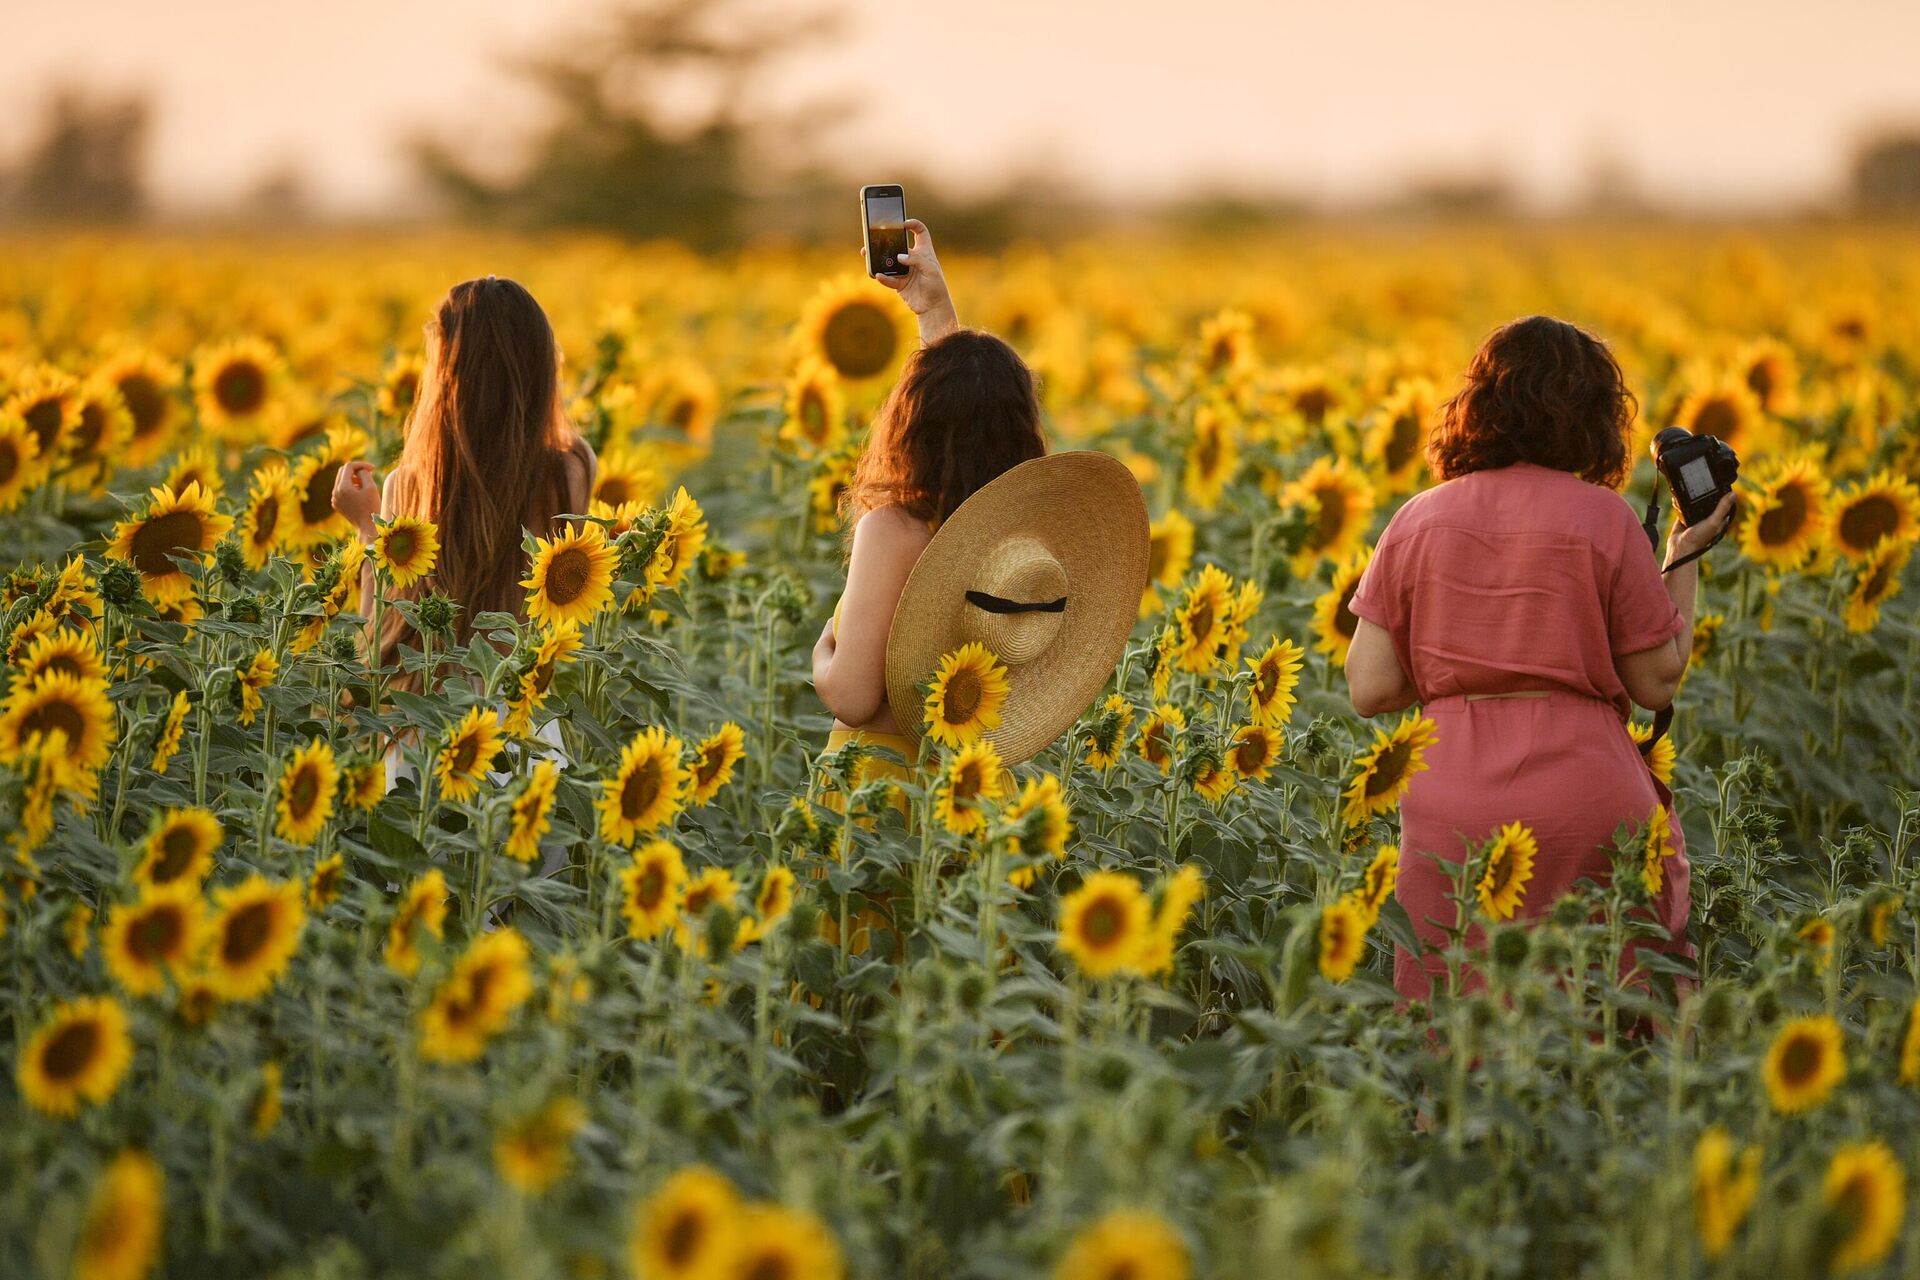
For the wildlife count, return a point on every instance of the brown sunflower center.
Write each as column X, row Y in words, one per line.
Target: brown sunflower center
column 709, row 765
column 405, row 388
column 178, row 847
column 966, row 780
column 466, row 1006
column 770, row 1265
column 1877, row 584
column 1250, row 753
column 1800, row 1060
column 316, row 504
column 240, row 388
column 1200, row 621
column 684, row 1234
column 71, row 1050
column 859, row 340
column 1220, row 354
column 650, row 888
column 1266, row 682
column 1786, row 517
column 44, row 417
column 1344, row 620
column 1762, row 379
column 55, row 714
column 1207, row 456
column 1331, row 519
column 1501, row 871
column 266, row 520
column 326, row 882
column 1102, row 922
column 1388, row 768
column 813, row 415
column 1403, row 441
column 402, row 546
column 465, row 753
column 1867, row 520
column 247, row 933
column 146, row 402
column 303, row 792
column 700, row 899
column 93, row 423
column 1312, row 404
column 962, row 695
column 9, row 461
column 1718, row 417
column 640, row 790
column 567, row 574
column 157, row 933
column 680, row 416
column 613, row 490
column 161, row 537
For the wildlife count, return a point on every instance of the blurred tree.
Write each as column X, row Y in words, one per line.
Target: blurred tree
column 652, row 125
column 1886, row 174
column 88, row 161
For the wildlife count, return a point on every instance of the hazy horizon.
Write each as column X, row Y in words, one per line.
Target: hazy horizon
column 1716, row 105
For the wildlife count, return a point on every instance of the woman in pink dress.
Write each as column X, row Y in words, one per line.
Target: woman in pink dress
column 1519, row 602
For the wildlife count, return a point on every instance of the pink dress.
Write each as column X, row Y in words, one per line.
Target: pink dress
column 1523, row 578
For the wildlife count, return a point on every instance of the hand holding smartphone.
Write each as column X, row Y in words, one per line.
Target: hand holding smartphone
column 883, row 223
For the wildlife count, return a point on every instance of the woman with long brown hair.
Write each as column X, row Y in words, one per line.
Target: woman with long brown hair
column 489, row 455
column 964, row 411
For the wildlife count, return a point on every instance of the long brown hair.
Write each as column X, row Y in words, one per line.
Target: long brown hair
column 1543, row 391
column 484, row 453
column 964, row 411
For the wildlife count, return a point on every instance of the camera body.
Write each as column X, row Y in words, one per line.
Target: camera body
column 1700, row 470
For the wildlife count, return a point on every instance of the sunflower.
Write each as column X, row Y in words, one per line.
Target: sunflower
column 196, row 466
column 1342, row 939
column 1883, row 508
column 1660, row 759
column 99, row 437
column 312, row 479
column 1817, row 936
column 853, row 326
column 1806, row 1060
column 652, row 888
column 681, row 1230
column 143, row 939
column 1169, row 556
column 269, row 514
column 235, row 385
column 1864, row 1195
column 1334, row 621
column 1396, row 443
column 48, row 401
column 423, row 909
column 713, row 887
column 1723, row 1189
column 572, row 576
column 1659, row 847
column 683, row 397
column 1509, row 865
column 1252, row 751
column 173, row 724
column 1376, row 883
column 78, row 929
column 1786, row 517
column 308, row 783
column 1108, row 736
column 972, row 777
column 1157, row 734
column 774, row 899
column 1213, row 777
column 1875, row 582
column 964, row 701
column 1276, row 674
column 1339, row 501
column 679, row 547
column 1909, row 1069
column 251, row 679
column 1104, row 924
column 815, row 408
column 1726, row 409
column 57, row 701
column 1042, row 822
column 405, row 547
column 148, row 385
column 713, row 762
column 1213, row 454
column 323, row 886
column 1201, row 620
column 648, row 789
column 461, row 763
column 533, row 1152
column 832, row 477
column 253, row 935
column 1178, row 894
column 400, row 386
column 183, row 524
column 180, row 849
column 79, row 1054
column 475, row 1001
column 1125, row 1245
column 772, row 1242
column 121, row 1235
column 1385, row 770
column 623, row 477
column 21, row 468
column 1768, row 368
column 67, row 651
column 363, row 783
column 532, row 812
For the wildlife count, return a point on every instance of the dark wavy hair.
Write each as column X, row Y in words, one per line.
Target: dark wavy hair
column 965, row 410
column 1543, row 391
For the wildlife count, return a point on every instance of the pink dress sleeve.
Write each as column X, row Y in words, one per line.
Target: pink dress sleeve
column 1639, row 613
column 1381, row 597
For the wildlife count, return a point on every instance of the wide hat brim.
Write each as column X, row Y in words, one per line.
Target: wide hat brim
column 1086, row 510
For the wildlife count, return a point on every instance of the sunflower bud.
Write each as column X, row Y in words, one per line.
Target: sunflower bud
column 341, row 646
column 245, row 607
column 435, row 615
column 119, row 584
column 1510, row 947
column 789, row 597
column 230, row 562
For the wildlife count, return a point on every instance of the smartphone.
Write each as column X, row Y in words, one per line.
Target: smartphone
column 883, row 220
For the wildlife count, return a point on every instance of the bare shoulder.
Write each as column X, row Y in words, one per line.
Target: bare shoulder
column 891, row 528
column 394, row 489
column 581, row 465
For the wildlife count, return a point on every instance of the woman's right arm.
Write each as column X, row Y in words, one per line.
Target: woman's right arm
column 850, row 659
column 1652, row 676
column 924, row 287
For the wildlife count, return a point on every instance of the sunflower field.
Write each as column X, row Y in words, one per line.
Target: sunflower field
column 583, row 958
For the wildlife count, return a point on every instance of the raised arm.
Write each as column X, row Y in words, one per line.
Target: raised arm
column 924, row 287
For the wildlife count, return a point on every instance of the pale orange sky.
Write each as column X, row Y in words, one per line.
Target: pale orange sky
column 1705, row 101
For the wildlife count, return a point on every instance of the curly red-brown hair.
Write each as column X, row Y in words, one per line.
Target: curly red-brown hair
column 965, row 410
column 1543, row 391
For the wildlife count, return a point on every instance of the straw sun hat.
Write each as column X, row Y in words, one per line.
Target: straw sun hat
column 1044, row 566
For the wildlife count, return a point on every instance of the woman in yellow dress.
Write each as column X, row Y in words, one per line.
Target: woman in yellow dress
column 964, row 411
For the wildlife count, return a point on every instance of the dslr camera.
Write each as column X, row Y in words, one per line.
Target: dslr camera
column 1699, row 469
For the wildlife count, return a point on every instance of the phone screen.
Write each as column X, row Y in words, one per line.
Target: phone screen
column 886, row 233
